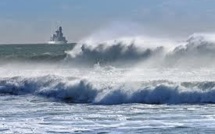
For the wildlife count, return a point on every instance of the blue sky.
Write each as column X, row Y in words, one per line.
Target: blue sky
column 35, row 20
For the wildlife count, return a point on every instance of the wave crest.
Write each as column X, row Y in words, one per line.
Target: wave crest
column 117, row 52
column 197, row 51
column 81, row 91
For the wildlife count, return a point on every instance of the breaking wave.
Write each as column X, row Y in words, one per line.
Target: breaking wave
column 110, row 84
column 75, row 90
column 198, row 50
column 117, row 52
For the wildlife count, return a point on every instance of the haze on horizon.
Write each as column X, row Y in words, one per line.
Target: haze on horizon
column 34, row 21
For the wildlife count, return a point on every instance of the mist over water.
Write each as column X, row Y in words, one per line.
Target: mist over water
column 109, row 83
column 126, row 69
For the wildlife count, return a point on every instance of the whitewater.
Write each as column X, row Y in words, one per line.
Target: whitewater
column 123, row 85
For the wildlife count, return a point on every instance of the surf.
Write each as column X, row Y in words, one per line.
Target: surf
column 113, row 72
column 72, row 90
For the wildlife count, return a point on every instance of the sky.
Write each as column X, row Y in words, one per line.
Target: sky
column 34, row 21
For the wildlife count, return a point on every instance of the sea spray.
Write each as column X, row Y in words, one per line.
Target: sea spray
column 83, row 91
column 157, row 74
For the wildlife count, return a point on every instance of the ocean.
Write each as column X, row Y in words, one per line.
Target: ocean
column 108, row 87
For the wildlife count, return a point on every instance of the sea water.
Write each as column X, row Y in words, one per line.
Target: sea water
column 108, row 88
